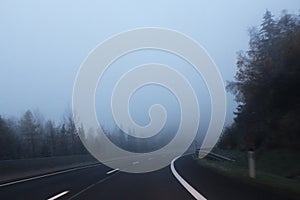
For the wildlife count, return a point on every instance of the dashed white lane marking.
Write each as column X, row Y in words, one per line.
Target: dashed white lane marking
column 150, row 158
column 46, row 175
column 136, row 162
column 58, row 195
column 91, row 186
column 187, row 186
column 112, row 171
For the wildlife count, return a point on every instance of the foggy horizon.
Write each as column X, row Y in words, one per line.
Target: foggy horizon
column 43, row 46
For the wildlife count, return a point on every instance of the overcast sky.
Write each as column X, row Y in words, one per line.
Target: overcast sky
column 43, row 43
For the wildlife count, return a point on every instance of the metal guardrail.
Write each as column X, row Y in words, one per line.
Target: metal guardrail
column 214, row 156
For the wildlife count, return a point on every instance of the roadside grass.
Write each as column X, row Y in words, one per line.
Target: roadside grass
column 280, row 162
column 11, row 170
column 272, row 173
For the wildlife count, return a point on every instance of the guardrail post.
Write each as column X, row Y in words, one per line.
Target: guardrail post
column 251, row 161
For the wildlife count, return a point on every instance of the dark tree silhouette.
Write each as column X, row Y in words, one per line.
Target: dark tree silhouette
column 267, row 85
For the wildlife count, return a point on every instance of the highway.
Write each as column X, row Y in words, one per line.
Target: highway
column 184, row 179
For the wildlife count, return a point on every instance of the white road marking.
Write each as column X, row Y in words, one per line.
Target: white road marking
column 58, row 195
column 89, row 187
column 136, row 162
column 150, row 158
column 46, row 175
column 189, row 188
column 112, row 171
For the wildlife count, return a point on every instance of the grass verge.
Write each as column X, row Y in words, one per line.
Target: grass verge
column 265, row 179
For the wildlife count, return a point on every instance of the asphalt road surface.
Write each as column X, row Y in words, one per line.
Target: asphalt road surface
column 182, row 180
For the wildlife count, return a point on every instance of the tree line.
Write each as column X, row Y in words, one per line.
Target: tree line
column 267, row 88
column 31, row 137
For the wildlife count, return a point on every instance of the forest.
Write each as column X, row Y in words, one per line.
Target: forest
column 31, row 136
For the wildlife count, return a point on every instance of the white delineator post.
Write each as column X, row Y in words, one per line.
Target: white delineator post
column 251, row 161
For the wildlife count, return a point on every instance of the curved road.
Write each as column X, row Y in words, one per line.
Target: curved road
column 101, row 182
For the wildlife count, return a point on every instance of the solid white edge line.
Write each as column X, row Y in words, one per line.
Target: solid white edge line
column 58, row 195
column 112, row 171
column 46, row 175
column 187, row 186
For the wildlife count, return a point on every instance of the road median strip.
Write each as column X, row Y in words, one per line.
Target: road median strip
column 15, row 171
column 47, row 175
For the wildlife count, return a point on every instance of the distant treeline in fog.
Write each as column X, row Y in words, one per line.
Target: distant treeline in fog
column 267, row 88
column 31, row 137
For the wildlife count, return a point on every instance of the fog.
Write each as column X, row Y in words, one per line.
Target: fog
column 44, row 43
